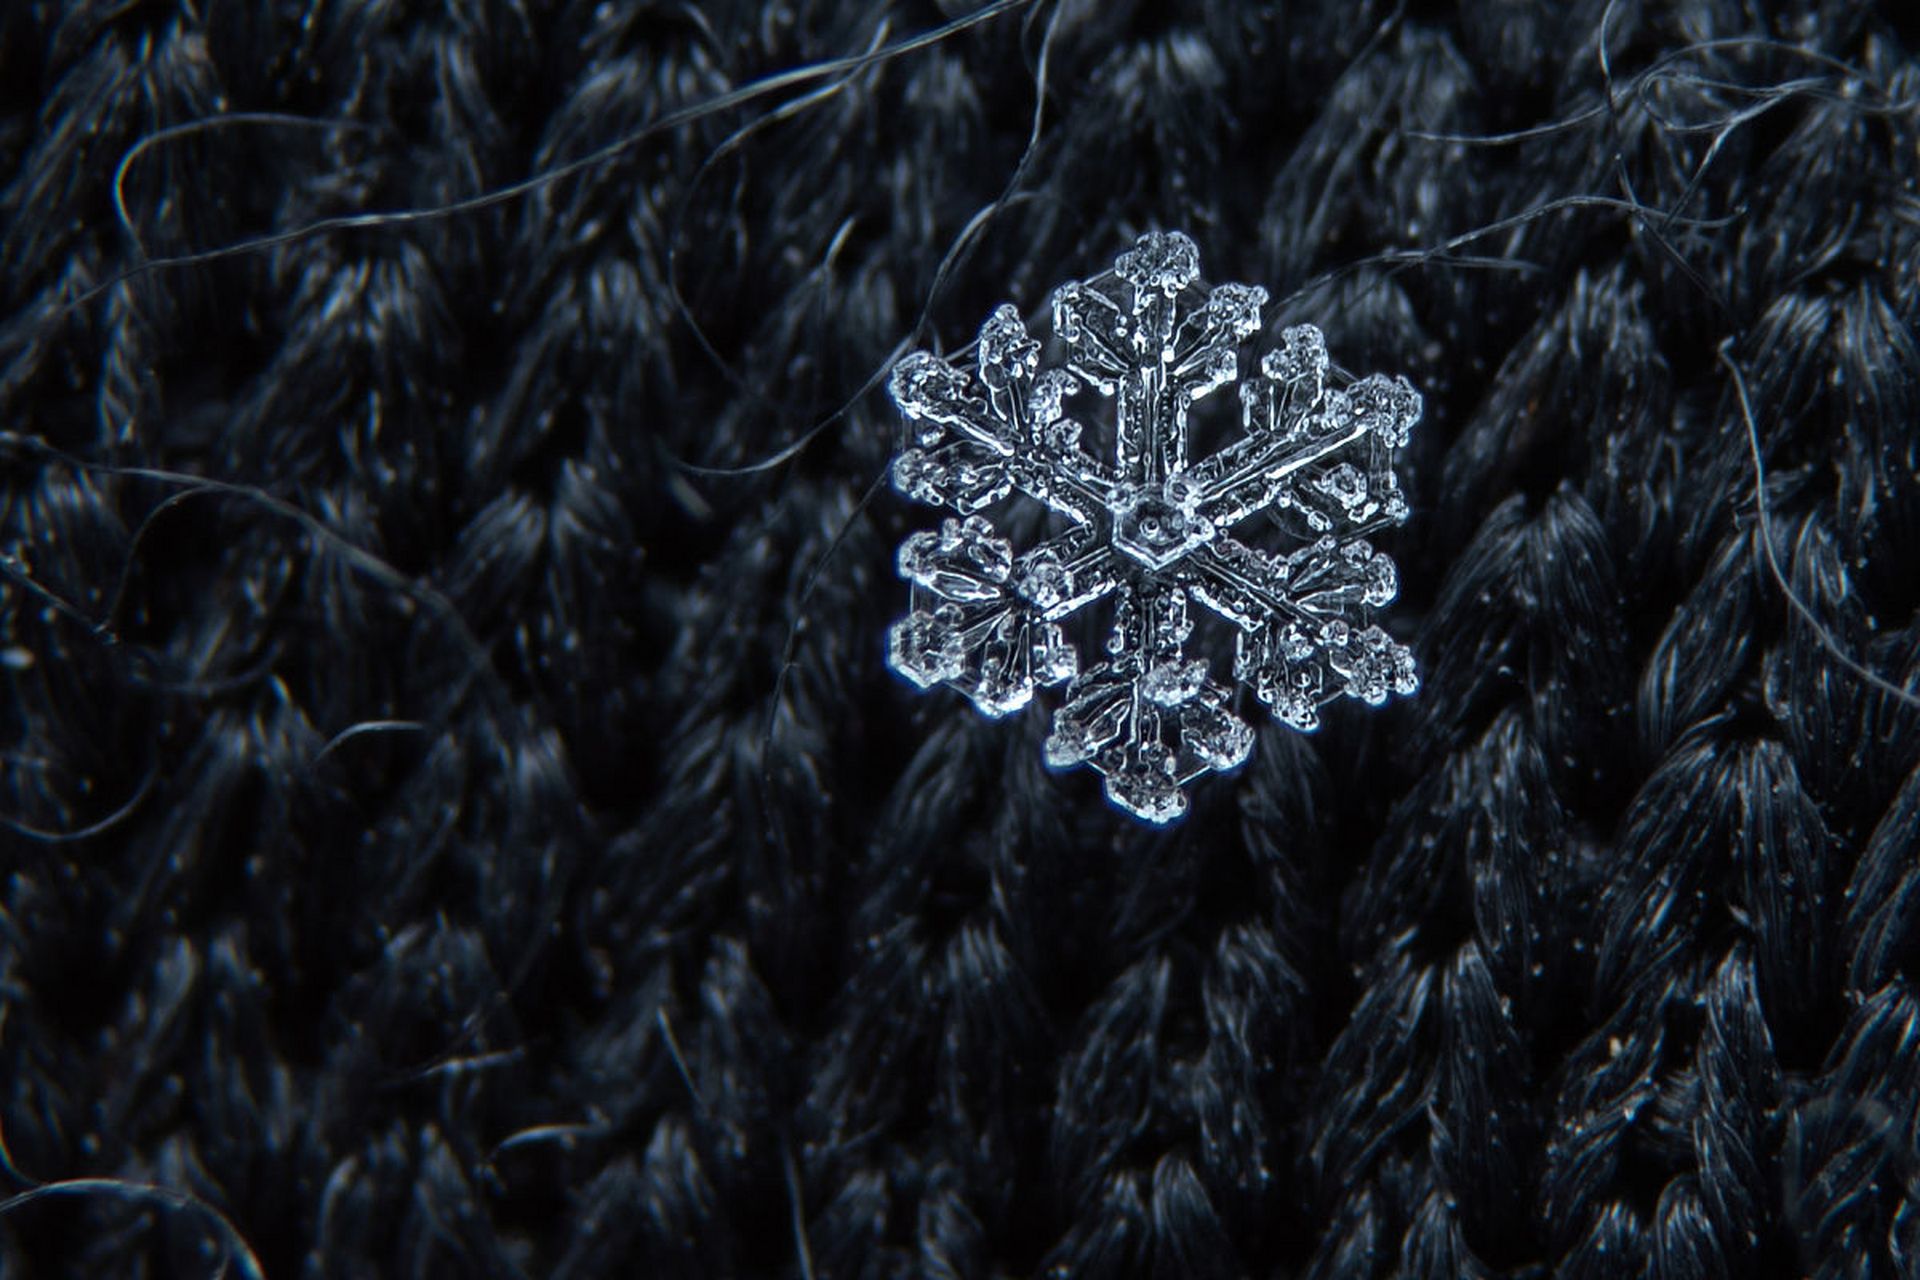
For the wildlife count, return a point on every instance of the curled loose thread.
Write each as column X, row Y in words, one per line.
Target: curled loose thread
column 950, row 262
column 1798, row 605
column 1664, row 70
column 206, row 124
column 234, row 1248
column 108, row 823
column 749, row 92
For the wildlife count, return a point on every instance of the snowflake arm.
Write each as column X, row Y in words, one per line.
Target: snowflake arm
column 1120, row 715
column 967, row 628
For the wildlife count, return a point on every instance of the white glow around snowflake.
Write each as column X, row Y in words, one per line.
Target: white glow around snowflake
column 1151, row 528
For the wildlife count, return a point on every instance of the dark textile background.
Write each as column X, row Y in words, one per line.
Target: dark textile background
column 416, row 864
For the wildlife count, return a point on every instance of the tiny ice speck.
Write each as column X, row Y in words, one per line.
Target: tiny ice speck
column 1139, row 346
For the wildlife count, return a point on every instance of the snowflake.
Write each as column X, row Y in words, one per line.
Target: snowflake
column 1151, row 529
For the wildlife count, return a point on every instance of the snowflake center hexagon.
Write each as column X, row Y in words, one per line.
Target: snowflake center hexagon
column 1154, row 530
column 1150, row 527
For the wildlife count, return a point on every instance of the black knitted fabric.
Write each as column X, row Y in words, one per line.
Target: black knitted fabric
column 459, row 822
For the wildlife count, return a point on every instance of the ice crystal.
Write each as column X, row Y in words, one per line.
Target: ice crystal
column 1311, row 453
